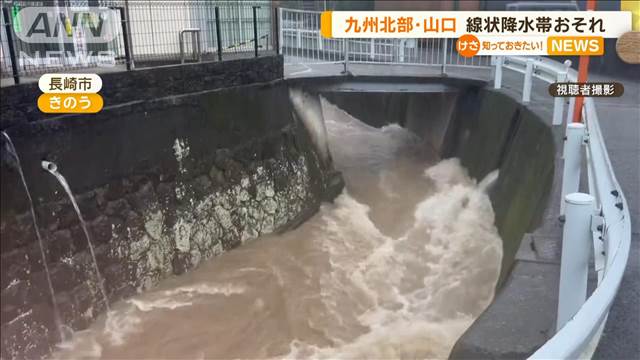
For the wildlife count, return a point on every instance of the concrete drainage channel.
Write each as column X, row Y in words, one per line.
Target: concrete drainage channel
column 165, row 184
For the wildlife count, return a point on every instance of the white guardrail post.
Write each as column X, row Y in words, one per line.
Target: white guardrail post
column 528, row 82
column 558, row 102
column 571, row 109
column 497, row 80
column 572, row 160
column 576, row 247
column 572, row 100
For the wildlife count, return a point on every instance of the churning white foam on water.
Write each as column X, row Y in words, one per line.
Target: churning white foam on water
column 398, row 266
column 207, row 289
column 181, row 296
column 417, row 293
column 164, row 303
column 118, row 325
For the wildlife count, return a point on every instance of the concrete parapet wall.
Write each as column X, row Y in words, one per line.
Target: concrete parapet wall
column 18, row 103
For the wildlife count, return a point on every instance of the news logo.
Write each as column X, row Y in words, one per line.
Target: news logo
column 75, row 26
column 49, row 24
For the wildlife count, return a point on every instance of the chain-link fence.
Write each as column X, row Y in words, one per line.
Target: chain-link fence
column 146, row 33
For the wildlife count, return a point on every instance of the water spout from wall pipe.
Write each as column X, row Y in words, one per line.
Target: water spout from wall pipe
column 52, row 168
column 56, row 311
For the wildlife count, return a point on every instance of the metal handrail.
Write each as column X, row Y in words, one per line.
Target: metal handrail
column 579, row 336
column 195, row 43
column 575, row 337
column 300, row 41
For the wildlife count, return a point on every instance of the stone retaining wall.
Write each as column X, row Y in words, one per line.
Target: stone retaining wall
column 163, row 184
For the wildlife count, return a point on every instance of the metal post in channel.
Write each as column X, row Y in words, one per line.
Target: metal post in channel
column 497, row 81
column 574, row 263
column 528, row 82
column 12, row 50
column 572, row 160
column 255, row 31
column 218, row 35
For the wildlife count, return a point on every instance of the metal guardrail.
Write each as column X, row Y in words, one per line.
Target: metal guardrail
column 600, row 218
column 608, row 224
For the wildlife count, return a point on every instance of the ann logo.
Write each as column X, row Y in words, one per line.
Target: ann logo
column 52, row 25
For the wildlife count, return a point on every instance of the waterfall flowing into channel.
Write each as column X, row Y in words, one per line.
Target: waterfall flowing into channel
column 398, row 266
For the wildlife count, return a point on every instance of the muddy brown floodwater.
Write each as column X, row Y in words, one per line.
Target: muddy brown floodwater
column 397, row 267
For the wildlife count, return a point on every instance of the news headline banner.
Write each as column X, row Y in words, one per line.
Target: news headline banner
column 488, row 32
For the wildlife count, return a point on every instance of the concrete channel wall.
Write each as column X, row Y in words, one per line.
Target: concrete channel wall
column 163, row 184
column 491, row 131
column 487, row 130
